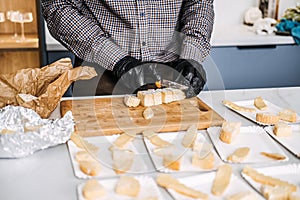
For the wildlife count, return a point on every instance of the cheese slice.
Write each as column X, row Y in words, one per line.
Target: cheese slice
column 276, row 192
column 267, row 180
column 190, row 137
column 123, row 140
column 246, row 195
column 131, row 101
column 206, row 162
column 229, row 131
column 221, row 180
column 239, row 155
column 92, row 189
column 167, row 181
column 146, row 98
column 260, row 104
column 288, row 115
column 282, row 129
column 167, row 95
column 155, row 139
column 267, row 118
column 128, row 186
column 122, row 160
column 148, row 113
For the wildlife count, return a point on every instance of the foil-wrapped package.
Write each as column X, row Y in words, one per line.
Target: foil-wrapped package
column 23, row 131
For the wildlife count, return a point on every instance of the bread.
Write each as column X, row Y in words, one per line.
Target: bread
column 276, row 192
column 131, row 101
column 82, row 143
column 288, row 115
column 148, row 113
column 221, row 180
column 260, row 104
column 246, row 195
column 172, row 161
column 122, row 160
column 274, row 156
column 229, row 131
column 281, row 129
column 155, row 139
column 267, row 180
column 237, row 107
column 128, row 186
column 267, row 118
column 206, row 162
column 239, row 155
column 92, row 189
column 190, row 137
column 167, row 181
column 123, row 140
column 91, row 168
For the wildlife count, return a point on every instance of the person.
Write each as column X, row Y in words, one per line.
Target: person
column 121, row 35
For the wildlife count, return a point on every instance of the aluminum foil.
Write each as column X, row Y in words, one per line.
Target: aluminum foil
column 23, row 131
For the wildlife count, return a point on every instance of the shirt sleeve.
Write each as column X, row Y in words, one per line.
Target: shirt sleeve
column 197, row 24
column 79, row 33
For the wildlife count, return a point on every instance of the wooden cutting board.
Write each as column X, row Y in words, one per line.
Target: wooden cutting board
column 107, row 116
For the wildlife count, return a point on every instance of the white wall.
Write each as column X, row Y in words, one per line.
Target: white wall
column 232, row 11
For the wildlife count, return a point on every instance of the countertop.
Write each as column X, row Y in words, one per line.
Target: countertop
column 48, row 174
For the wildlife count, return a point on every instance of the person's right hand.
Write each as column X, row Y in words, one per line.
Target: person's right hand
column 124, row 65
column 132, row 74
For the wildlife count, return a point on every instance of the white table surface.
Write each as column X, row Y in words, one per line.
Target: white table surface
column 48, row 174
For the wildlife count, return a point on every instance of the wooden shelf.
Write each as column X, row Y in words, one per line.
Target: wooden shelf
column 7, row 42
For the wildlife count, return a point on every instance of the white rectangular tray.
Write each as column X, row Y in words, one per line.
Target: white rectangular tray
column 289, row 173
column 272, row 109
column 253, row 137
column 203, row 183
column 148, row 189
column 176, row 138
column 104, row 156
column 292, row 142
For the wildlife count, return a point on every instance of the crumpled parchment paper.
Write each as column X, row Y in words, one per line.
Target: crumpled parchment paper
column 41, row 88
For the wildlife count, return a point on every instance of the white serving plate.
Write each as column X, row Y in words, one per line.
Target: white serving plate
column 272, row 109
column 148, row 189
column 292, row 142
column 104, row 156
column 289, row 173
column 186, row 165
column 253, row 137
column 203, row 182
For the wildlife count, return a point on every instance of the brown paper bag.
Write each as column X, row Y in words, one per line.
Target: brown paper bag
column 41, row 88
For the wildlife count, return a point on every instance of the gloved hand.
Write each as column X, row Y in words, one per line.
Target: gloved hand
column 191, row 74
column 124, row 65
column 132, row 74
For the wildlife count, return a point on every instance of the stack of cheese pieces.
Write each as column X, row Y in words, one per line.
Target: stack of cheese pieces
column 153, row 97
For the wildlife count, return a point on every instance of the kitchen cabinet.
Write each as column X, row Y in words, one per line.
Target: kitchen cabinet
column 257, row 66
column 16, row 53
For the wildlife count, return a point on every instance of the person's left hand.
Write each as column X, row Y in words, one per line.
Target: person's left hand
column 193, row 73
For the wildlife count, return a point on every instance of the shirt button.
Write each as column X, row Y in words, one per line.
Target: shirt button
column 142, row 14
column 144, row 43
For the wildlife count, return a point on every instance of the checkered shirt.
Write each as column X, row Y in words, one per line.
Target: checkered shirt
column 105, row 31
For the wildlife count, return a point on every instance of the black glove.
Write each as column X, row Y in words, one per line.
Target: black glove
column 191, row 74
column 132, row 74
column 124, row 65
